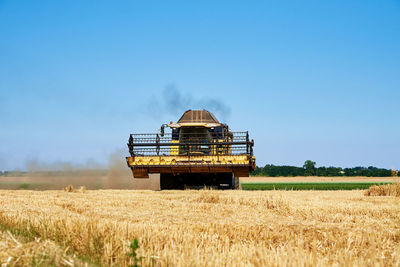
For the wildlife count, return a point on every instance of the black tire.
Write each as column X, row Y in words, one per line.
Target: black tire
column 221, row 181
column 236, row 184
column 169, row 182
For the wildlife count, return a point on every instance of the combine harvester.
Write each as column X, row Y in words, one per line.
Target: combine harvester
column 199, row 152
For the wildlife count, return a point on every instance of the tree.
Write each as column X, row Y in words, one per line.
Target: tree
column 322, row 171
column 309, row 168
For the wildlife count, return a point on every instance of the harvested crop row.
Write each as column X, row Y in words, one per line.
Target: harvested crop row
column 384, row 190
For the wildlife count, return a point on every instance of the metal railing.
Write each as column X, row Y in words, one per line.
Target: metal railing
column 190, row 144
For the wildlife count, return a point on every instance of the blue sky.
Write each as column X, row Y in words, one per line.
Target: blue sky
column 315, row 80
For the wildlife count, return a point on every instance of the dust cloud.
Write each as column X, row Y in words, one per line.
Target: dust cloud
column 120, row 176
column 92, row 175
column 35, row 165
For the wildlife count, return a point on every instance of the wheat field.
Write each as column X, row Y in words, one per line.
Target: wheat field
column 199, row 228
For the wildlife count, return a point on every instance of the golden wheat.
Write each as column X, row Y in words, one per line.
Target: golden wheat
column 17, row 250
column 70, row 188
column 384, row 190
column 211, row 228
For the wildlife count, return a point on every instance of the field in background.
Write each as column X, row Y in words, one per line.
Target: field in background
column 309, row 186
column 91, row 179
column 313, row 182
column 121, row 178
column 200, row 228
column 317, row 179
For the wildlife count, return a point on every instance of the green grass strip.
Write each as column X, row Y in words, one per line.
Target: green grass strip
column 308, row 186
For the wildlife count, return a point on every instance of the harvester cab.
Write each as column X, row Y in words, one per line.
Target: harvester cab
column 200, row 151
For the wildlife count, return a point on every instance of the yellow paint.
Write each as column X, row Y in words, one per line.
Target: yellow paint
column 220, row 147
column 174, row 150
column 197, row 160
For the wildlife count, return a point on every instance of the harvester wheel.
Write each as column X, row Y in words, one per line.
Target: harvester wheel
column 236, row 185
column 167, row 181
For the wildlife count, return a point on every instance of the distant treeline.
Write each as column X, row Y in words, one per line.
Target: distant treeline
column 309, row 169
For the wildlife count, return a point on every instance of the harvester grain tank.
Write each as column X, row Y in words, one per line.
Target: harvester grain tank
column 199, row 151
